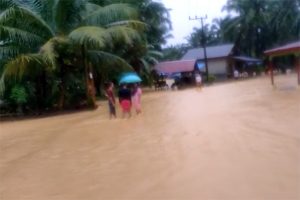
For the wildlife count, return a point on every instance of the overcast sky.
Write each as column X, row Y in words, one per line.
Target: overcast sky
column 182, row 9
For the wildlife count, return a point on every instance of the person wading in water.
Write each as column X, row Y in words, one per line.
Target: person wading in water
column 125, row 100
column 136, row 98
column 109, row 93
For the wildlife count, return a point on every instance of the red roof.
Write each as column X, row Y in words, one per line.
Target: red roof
column 176, row 66
column 289, row 48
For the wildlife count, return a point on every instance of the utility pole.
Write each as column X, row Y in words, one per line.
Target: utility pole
column 203, row 41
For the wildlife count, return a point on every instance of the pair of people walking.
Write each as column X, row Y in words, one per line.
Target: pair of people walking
column 127, row 99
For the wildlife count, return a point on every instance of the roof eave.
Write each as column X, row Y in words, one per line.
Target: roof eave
column 279, row 52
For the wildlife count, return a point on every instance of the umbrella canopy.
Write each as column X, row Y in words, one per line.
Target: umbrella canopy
column 130, row 78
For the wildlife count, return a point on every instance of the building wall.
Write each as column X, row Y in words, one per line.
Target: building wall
column 218, row 66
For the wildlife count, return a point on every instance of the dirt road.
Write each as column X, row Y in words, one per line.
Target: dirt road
column 235, row 141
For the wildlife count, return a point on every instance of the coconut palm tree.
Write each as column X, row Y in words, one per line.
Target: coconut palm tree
column 250, row 24
column 260, row 24
column 156, row 16
column 30, row 31
column 285, row 15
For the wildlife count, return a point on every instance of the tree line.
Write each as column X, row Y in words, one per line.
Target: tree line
column 252, row 25
column 56, row 54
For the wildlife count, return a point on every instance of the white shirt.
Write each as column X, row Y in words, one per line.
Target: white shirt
column 236, row 73
column 198, row 78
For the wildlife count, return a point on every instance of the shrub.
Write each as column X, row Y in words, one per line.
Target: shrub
column 19, row 95
column 211, row 78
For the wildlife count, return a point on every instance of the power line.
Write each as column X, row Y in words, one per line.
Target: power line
column 203, row 42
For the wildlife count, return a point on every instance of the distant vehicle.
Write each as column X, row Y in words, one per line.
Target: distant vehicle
column 161, row 85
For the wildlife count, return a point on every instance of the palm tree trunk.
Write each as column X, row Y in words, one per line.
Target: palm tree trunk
column 41, row 85
column 61, row 101
column 90, row 86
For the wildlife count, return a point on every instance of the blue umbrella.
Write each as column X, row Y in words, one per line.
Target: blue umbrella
column 130, row 78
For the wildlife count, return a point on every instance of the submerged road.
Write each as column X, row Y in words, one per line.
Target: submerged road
column 233, row 141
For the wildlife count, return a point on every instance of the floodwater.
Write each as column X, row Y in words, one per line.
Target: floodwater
column 233, row 141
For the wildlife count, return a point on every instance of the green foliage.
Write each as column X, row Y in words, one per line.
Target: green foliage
column 104, row 16
column 18, row 95
column 212, row 37
column 75, row 91
column 255, row 26
column 174, row 52
column 90, row 36
column 156, row 16
column 51, row 46
column 211, row 78
column 68, row 11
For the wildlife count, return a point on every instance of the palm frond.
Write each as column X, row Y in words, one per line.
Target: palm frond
column 111, row 14
column 101, row 58
column 19, row 36
column 233, row 25
column 151, row 60
column 91, row 7
column 11, row 17
column 134, row 24
column 157, row 13
column 45, row 9
column 32, row 5
column 68, row 14
column 49, row 53
column 9, row 50
column 90, row 36
column 168, row 36
column 123, row 34
column 5, row 4
column 18, row 67
column 155, row 53
column 146, row 65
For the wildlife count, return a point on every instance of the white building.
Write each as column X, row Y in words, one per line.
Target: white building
column 219, row 59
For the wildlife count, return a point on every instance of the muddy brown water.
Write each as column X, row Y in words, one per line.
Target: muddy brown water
column 235, row 141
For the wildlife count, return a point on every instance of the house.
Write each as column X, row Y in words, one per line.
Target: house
column 246, row 64
column 218, row 57
column 177, row 66
column 221, row 59
column 185, row 69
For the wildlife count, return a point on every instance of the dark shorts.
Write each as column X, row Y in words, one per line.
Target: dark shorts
column 112, row 108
